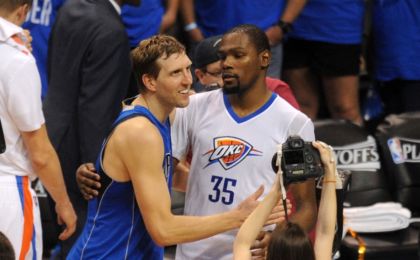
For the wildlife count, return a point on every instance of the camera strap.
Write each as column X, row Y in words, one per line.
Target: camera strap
column 2, row 141
column 282, row 188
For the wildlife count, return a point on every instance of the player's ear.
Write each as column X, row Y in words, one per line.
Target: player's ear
column 199, row 73
column 149, row 82
column 18, row 14
column 265, row 58
column 21, row 13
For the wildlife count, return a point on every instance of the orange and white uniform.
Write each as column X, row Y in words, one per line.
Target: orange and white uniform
column 231, row 158
column 20, row 111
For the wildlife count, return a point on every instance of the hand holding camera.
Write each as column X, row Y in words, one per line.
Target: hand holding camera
column 300, row 161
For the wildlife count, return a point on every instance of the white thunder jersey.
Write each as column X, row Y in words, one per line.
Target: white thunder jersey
column 231, row 158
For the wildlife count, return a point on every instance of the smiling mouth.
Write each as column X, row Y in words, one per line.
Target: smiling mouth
column 185, row 91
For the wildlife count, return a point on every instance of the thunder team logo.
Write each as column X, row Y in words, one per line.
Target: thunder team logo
column 230, row 151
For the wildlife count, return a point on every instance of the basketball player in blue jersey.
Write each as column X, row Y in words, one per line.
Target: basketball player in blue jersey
column 131, row 217
column 232, row 142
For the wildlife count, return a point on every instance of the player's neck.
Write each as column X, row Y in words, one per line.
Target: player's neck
column 250, row 101
column 158, row 111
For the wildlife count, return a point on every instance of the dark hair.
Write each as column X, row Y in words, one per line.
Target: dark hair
column 255, row 35
column 206, row 52
column 148, row 51
column 11, row 5
column 6, row 248
column 290, row 242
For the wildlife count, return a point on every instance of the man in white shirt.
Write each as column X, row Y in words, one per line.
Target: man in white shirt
column 88, row 77
column 29, row 153
column 233, row 134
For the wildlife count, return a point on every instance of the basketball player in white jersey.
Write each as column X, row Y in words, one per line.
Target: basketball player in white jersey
column 233, row 135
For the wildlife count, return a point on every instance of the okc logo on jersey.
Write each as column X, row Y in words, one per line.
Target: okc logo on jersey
column 230, row 151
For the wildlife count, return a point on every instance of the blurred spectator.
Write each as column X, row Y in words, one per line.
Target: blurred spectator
column 325, row 46
column 208, row 69
column 150, row 18
column 39, row 22
column 396, row 37
column 205, row 18
column 89, row 70
column 6, row 248
column 29, row 153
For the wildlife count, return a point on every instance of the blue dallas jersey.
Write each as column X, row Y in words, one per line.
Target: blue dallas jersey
column 114, row 228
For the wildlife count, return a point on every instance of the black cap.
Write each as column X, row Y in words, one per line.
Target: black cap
column 206, row 51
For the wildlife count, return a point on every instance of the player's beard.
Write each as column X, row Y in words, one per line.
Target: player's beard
column 233, row 89
column 237, row 89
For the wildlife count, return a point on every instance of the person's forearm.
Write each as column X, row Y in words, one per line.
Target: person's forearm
column 49, row 172
column 169, row 18
column 292, row 10
column 172, row 7
column 187, row 11
column 327, row 212
column 254, row 223
column 174, row 229
column 326, row 217
column 45, row 163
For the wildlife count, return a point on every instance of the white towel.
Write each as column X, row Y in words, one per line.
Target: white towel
column 380, row 217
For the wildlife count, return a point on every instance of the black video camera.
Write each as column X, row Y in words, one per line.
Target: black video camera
column 300, row 161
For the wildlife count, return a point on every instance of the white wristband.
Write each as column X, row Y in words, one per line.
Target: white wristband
column 190, row 26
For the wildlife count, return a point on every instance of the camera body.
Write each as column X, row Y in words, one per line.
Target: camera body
column 2, row 141
column 300, row 161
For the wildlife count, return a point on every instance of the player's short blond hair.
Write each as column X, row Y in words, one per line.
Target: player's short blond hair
column 148, row 51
